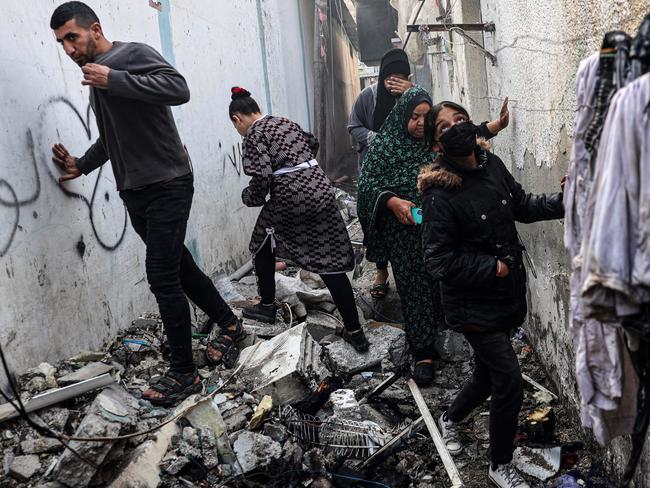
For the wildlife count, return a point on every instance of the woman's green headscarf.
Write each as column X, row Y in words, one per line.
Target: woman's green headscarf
column 391, row 168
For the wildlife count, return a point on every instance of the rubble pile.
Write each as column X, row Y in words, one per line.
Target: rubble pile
column 299, row 408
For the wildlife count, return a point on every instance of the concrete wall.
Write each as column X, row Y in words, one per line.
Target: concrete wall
column 538, row 47
column 72, row 269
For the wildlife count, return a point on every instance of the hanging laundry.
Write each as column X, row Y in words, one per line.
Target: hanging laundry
column 607, row 406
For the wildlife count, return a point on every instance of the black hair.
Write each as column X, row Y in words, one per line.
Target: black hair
column 82, row 13
column 432, row 117
column 242, row 102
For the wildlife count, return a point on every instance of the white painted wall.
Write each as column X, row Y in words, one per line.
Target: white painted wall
column 57, row 295
column 539, row 46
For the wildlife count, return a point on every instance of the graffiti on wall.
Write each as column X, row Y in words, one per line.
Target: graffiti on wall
column 233, row 158
column 16, row 203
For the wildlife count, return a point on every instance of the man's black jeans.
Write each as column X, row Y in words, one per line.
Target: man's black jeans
column 159, row 214
column 496, row 373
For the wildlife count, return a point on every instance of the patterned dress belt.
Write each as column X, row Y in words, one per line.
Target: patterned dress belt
column 298, row 167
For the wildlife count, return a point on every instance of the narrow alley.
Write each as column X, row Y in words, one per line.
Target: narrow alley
column 324, row 243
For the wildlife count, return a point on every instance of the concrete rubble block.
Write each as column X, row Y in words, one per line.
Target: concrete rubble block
column 265, row 331
column 110, row 411
column 174, row 464
column 55, row 417
column 36, row 385
column 142, row 470
column 287, row 367
column 87, row 372
column 40, row 445
column 206, row 416
column 24, row 467
column 256, row 451
column 7, row 458
column 320, row 325
column 386, row 343
column 277, row 432
column 209, row 449
column 235, row 415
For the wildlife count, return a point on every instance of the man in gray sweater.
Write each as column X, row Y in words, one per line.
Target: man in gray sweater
column 131, row 90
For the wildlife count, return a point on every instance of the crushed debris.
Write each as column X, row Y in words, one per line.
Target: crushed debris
column 301, row 407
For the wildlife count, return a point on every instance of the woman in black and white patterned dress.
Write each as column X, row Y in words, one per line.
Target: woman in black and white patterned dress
column 300, row 220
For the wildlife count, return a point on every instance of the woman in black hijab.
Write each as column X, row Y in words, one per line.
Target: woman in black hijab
column 393, row 81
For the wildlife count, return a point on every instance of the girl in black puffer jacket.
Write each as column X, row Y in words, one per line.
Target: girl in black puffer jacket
column 470, row 205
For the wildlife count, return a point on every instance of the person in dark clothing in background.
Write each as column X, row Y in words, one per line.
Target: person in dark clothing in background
column 369, row 112
column 470, row 204
column 131, row 89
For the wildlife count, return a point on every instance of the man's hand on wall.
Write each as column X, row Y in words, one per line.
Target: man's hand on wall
column 95, row 75
column 66, row 163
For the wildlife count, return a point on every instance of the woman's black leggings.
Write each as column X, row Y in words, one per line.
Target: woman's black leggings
column 338, row 284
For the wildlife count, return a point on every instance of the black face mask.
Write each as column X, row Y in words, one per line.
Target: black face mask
column 460, row 140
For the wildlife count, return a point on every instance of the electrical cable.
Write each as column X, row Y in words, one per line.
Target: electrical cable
column 41, row 429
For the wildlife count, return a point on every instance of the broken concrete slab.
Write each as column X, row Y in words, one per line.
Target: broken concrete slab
column 24, row 467
column 110, row 410
column 321, row 325
column 256, row 451
column 286, row 367
column 264, row 331
column 90, row 370
column 386, row 343
column 141, row 470
column 40, row 445
column 206, row 416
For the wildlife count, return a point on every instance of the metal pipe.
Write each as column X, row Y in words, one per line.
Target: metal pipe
column 414, row 20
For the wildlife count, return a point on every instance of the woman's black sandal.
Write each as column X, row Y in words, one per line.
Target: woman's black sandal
column 226, row 344
column 174, row 388
column 356, row 339
column 423, row 373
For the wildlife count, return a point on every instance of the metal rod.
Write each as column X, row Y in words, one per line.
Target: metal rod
column 487, row 27
column 380, row 388
column 450, row 466
column 57, row 396
column 390, row 445
column 414, row 20
column 528, row 379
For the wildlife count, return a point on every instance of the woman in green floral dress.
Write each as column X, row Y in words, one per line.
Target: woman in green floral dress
column 387, row 192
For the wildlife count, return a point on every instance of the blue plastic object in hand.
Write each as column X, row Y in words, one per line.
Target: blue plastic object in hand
column 417, row 214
